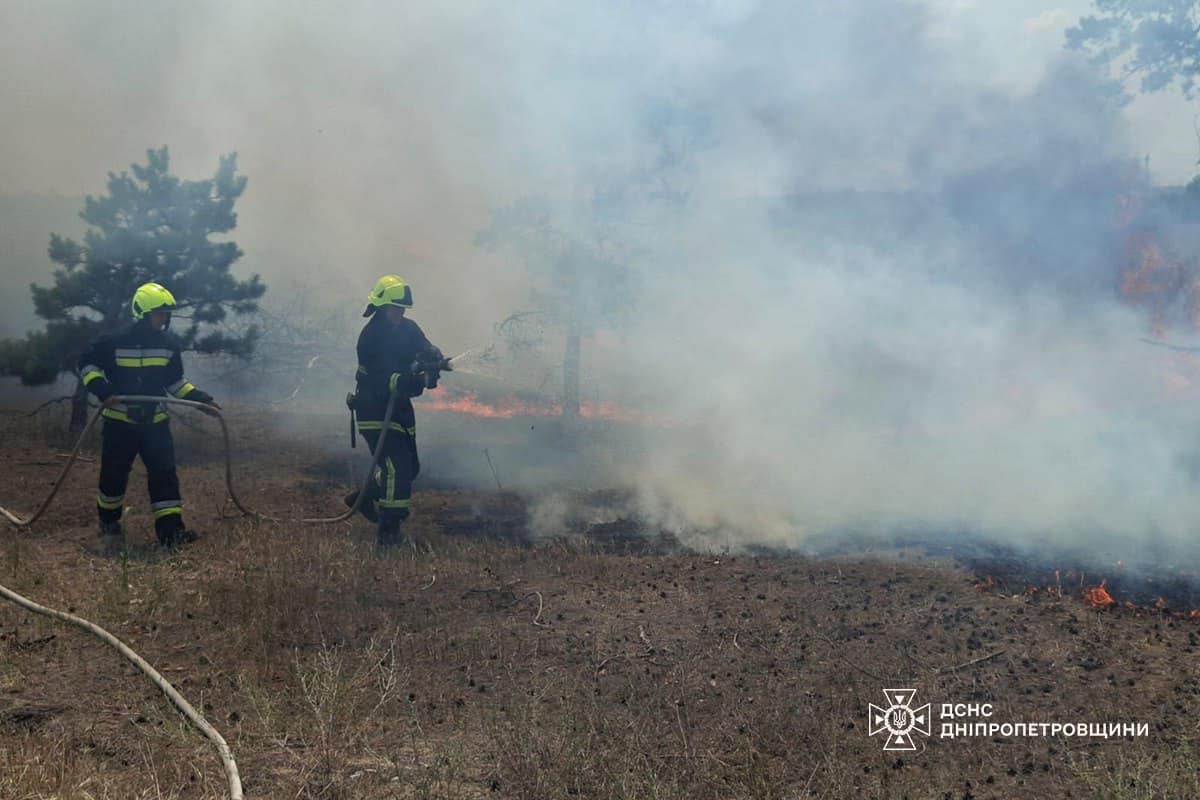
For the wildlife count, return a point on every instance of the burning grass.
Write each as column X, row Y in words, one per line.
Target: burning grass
column 1142, row 590
column 508, row 406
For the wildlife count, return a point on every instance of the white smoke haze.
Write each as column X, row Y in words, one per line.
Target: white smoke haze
column 871, row 282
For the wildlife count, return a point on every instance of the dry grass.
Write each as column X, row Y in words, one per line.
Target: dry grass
column 477, row 668
column 1141, row 773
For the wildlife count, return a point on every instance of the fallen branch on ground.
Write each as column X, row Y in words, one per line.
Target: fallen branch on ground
column 837, row 649
column 973, row 661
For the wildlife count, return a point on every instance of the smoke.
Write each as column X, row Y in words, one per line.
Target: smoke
column 863, row 282
column 948, row 355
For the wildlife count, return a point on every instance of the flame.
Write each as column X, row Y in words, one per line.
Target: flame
column 1098, row 596
column 1159, row 279
column 1145, row 283
column 1159, row 276
column 1166, row 286
column 469, row 403
column 508, row 407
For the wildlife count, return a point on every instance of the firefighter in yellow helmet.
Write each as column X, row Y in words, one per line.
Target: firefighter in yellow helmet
column 142, row 359
column 393, row 357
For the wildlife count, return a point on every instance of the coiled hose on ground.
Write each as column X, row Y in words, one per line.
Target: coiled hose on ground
column 194, row 716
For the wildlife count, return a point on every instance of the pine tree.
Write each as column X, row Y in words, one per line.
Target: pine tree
column 151, row 226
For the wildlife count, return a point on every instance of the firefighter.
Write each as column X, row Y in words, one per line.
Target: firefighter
column 393, row 357
column 142, row 359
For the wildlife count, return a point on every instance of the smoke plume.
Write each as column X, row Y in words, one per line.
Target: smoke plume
column 859, row 283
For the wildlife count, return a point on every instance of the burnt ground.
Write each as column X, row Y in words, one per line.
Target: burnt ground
column 601, row 663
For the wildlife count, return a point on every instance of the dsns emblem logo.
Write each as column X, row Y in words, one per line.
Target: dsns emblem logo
column 899, row 719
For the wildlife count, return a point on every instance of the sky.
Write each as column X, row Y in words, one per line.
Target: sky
column 1017, row 38
column 959, row 361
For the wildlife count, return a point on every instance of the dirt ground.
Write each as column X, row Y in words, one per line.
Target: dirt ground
column 596, row 664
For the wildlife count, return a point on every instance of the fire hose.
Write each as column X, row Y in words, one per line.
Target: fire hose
column 134, row 398
column 194, row 716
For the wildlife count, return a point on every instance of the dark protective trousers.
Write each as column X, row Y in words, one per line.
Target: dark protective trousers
column 391, row 489
column 121, row 443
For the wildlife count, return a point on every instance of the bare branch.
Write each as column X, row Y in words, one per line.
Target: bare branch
column 51, row 402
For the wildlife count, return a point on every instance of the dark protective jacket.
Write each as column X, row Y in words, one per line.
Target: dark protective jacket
column 138, row 360
column 386, row 354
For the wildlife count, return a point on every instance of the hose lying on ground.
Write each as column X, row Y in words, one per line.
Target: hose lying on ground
column 196, row 718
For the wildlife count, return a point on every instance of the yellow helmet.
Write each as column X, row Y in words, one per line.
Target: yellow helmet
column 150, row 297
column 390, row 290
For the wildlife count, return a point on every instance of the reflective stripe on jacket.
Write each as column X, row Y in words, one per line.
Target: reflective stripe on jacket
column 137, row 360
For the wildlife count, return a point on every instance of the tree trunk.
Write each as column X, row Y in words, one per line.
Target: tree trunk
column 571, row 358
column 79, row 408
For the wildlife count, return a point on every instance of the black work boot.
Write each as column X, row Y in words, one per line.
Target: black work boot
column 112, row 538
column 173, row 533
column 389, row 532
column 367, row 509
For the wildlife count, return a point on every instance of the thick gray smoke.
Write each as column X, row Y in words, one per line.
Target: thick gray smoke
column 948, row 354
column 861, row 283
